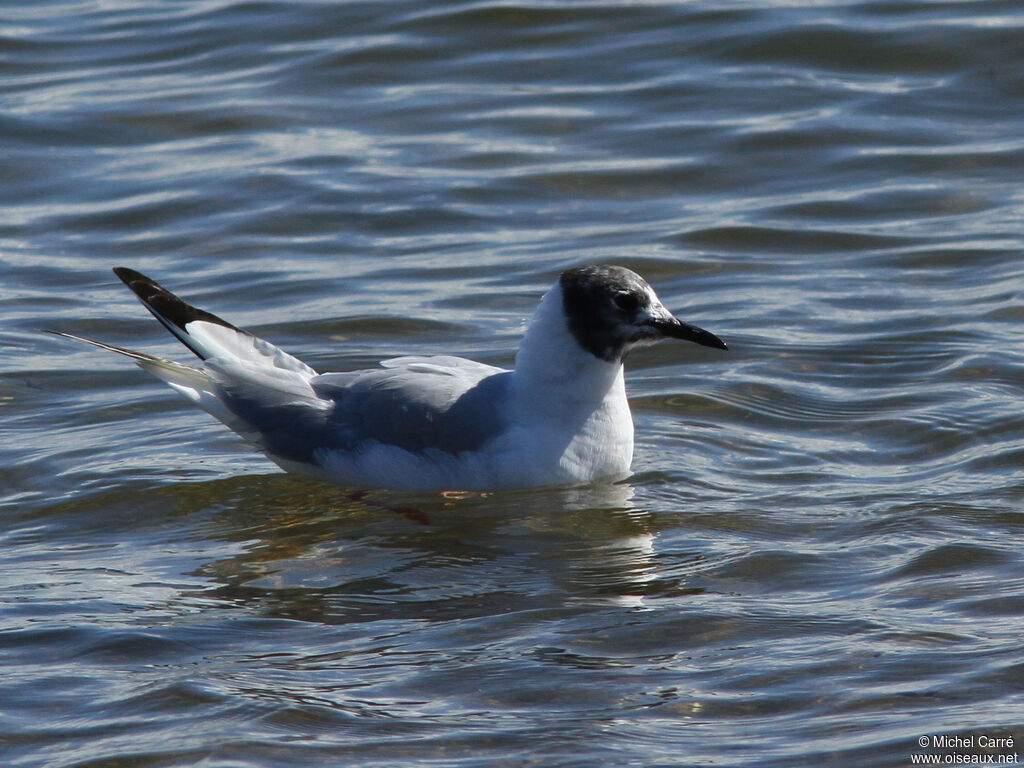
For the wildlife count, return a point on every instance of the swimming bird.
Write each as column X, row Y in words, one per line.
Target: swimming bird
column 559, row 417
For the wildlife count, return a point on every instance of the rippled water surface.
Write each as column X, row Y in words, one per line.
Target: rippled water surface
column 818, row 558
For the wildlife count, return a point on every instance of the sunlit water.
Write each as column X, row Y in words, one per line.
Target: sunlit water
column 817, row 561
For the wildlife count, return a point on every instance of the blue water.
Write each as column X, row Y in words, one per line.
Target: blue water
column 818, row 558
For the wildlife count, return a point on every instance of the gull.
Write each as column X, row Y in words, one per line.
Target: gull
column 559, row 417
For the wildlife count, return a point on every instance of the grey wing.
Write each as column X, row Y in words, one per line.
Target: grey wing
column 273, row 407
column 415, row 403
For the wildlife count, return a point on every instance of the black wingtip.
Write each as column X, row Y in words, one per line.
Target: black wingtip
column 144, row 287
column 128, row 275
column 174, row 313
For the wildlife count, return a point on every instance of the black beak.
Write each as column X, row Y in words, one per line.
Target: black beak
column 677, row 329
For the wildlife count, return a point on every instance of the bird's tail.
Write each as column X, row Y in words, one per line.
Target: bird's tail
column 193, row 383
column 252, row 386
column 207, row 335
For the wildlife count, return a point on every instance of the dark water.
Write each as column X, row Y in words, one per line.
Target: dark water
column 818, row 560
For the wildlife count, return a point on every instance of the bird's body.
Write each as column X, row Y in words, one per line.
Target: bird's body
column 560, row 416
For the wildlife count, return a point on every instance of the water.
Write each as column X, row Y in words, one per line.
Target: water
column 817, row 561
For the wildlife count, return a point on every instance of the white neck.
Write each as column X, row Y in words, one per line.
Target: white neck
column 554, row 371
column 571, row 403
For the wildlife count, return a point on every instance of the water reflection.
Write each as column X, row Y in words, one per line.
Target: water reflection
column 319, row 553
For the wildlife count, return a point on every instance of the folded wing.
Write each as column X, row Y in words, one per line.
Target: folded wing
column 410, row 404
column 415, row 403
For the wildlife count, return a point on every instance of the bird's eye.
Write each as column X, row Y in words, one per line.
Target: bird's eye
column 626, row 301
